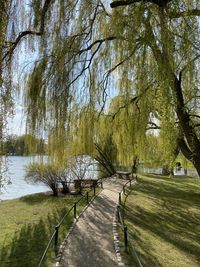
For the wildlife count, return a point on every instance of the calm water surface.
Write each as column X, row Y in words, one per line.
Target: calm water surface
column 18, row 186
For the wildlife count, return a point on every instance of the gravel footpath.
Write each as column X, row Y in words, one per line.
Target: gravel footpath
column 90, row 243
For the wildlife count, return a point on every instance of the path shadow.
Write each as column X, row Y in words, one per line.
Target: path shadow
column 28, row 244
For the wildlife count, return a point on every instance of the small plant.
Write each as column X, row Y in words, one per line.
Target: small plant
column 77, row 169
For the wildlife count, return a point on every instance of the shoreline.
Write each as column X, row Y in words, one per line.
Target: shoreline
column 27, row 195
column 47, row 193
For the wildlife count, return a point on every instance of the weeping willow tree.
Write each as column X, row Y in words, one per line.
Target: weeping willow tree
column 89, row 51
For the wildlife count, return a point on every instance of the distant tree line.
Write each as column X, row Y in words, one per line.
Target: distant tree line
column 23, row 145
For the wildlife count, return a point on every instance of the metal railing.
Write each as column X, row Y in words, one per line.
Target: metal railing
column 120, row 219
column 55, row 234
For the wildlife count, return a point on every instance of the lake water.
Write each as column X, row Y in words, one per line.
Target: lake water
column 18, row 186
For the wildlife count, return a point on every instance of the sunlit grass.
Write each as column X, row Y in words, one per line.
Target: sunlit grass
column 27, row 223
column 163, row 219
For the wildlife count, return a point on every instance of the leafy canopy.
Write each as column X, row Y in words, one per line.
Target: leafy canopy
column 142, row 52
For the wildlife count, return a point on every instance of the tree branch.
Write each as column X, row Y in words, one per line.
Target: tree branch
column 88, row 65
column 100, row 41
column 107, row 74
column 186, row 13
column 29, row 32
column 133, row 100
column 160, row 3
column 124, row 106
column 194, row 115
column 18, row 39
column 122, row 61
column 196, row 125
column 153, row 126
column 43, row 15
column 104, row 160
column 104, row 9
column 188, row 63
column 123, row 3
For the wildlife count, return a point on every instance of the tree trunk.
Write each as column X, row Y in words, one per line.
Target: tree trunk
column 191, row 148
column 162, row 57
column 165, row 170
column 196, row 162
column 55, row 190
column 65, row 187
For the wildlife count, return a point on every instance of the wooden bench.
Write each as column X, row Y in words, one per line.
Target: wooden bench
column 123, row 175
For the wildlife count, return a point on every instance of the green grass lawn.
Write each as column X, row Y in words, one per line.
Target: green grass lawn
column 163, row 219
column 26, row 225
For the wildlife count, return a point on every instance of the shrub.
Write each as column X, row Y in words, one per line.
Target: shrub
column 44, row 173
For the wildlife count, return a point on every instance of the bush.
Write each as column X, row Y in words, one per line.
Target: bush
column 44, row 173
column 77, row 169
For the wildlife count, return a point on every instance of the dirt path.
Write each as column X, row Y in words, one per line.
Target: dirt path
column 91, row 242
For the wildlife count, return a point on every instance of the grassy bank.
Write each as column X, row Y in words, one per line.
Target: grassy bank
column 163, row 219
column 26, row 225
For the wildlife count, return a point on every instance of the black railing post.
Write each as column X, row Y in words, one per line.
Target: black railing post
column 120, row 198
column 94, row 190
column 118, row 207
column 87, row 197
column 125, row 238
column 101, row 184
column 56, row 240
column 75, row 211
column 124, row 189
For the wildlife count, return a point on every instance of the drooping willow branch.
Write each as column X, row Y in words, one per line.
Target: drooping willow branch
column 23, row 34
column 108, row 73
column 133, row 100
column 89, row 48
